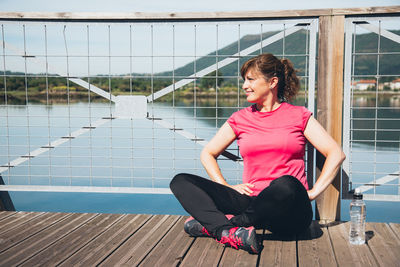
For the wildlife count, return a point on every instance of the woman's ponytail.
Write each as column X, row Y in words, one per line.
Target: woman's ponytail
column 291, row 82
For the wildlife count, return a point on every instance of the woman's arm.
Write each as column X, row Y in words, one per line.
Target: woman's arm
column 222, row 139
column 325, row 144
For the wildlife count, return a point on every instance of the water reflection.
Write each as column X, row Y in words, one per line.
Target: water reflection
column 214, row 111
column 376, row 121
column 141, row 153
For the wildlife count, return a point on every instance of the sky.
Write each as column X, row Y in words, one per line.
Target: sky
column 180, row 5
column 73, row 37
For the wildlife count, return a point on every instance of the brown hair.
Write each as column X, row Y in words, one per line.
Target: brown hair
column 270, row 66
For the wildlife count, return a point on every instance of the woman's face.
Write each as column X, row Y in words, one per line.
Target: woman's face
column 257, row 88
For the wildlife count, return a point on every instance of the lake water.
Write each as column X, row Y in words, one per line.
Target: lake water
column 141, row 153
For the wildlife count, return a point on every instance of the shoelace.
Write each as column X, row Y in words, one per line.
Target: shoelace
column 231, row 239
column 204, row 231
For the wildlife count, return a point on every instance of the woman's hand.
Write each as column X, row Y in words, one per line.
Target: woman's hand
column 243, row 188
column 328, row 147
column 222, row 139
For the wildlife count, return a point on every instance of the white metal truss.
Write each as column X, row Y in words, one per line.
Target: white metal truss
column 159, row 121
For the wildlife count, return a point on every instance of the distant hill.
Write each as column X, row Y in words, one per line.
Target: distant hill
column 389, row 64
column 295, row 49
column 295, row 44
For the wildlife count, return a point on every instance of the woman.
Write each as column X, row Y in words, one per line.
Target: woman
column 271, row 135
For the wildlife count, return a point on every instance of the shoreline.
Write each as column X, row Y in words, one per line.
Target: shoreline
column 18, row 97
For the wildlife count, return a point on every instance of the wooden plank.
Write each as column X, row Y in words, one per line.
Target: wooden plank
column 204, row 252
column 199, row 15
column 396, row 229
column 33, row 245
column 384, row 244
column 314, row 247
column 233, row 257
column 16, row 219
column 329, row 113
column 366, row 10
column 172, row 248
column 278, row 250
column 97, row 250
column 135, row 249
column 347, row 254
column 29, row 228
column 50, row 238
column 5, row 214
column 66, row 246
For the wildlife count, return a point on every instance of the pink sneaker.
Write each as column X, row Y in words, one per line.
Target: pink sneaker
column 241, row 238
column 195, row 229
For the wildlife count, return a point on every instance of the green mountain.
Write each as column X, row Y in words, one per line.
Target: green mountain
column 386, row 63
column 296, row 50
column 294, row 44
column 294, row 47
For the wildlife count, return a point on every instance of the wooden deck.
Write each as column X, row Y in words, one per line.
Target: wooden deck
column 49, row 239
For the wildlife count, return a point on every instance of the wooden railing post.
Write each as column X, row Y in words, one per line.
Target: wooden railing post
column 329, row 104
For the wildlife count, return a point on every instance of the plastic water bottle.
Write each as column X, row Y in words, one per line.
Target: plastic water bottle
column 357, row 216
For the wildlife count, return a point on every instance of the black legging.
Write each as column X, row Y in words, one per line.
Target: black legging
column 282, row 207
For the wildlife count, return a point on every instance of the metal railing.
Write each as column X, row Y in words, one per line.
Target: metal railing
column 164, row 89
column 371, row 107
column 120, row 104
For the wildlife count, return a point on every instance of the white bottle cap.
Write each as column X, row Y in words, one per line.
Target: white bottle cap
column 357, row 194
